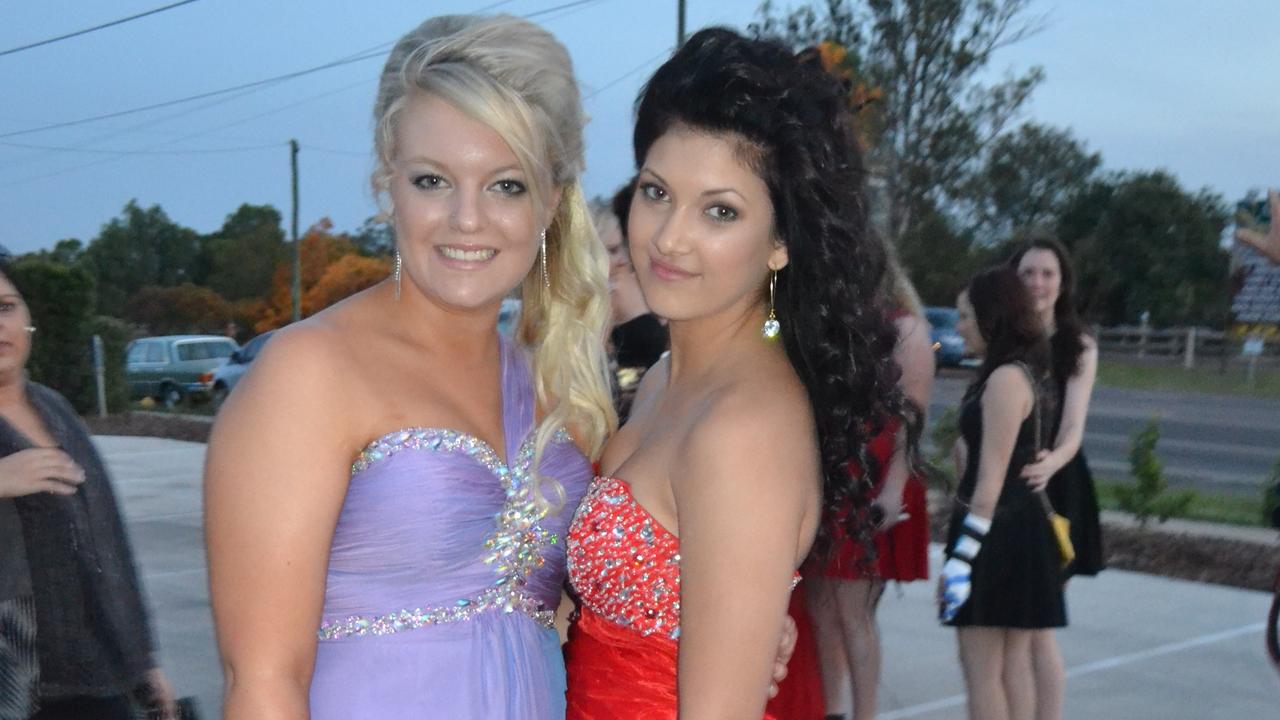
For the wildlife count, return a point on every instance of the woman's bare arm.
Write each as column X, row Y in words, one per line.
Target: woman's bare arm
column 1075, row 410
column 1006, row 402
column 750, row 480
column 914, row 354
column 275, row 479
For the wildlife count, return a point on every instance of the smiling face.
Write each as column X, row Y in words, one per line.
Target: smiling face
column 1041, row 273
column 465, row 221
column 967, row 326
column 701, row 227
column 15, row 339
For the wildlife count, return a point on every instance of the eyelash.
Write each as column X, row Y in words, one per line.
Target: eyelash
column 428, row 181
column 718, row 213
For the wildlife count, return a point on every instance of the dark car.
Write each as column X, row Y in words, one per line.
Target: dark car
column 948, row 346
column 226, row 376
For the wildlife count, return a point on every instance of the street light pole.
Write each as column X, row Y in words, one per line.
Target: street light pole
column 297, row 247
column 679, row 23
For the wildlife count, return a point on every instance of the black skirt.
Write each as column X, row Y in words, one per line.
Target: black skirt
column 1017, row 578
column 1073, row 495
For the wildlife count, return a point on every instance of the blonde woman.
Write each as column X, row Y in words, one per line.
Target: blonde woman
column 387, row 495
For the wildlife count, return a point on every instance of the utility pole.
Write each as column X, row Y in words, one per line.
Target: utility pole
column 297, row 246
column 679, row 23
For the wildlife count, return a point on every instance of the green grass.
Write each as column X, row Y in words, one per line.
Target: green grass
column 1207, row 506
column 1204, row 379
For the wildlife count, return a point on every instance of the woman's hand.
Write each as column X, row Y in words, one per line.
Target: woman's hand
column 1269, row 244
column 37, row 470
column 886, row 511
column 1039, row 472
column 786, row 648
column 156, row 694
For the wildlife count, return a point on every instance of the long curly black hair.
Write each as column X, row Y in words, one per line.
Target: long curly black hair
column 1067, row 342
column 800, row 140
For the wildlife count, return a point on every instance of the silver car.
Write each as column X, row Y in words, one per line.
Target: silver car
column 172, row 368
column 226, row 376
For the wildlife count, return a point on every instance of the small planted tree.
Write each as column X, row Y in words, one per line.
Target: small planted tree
column 1149, row 495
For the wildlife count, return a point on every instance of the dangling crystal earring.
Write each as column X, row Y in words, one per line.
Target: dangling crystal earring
column 771, row 325
column 30, row 329
column 546, row 279
column 397, row 274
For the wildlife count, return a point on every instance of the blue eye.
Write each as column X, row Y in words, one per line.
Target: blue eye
column 427, row 182
column 722, row 213
column 510, row 187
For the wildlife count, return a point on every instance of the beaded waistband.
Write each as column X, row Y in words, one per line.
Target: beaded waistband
column 497, row 599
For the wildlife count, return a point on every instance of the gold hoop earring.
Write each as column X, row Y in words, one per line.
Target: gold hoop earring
column 771, row 325
column 397, row 275
column 546, row 278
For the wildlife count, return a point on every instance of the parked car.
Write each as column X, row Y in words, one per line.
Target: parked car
column 227, row 375
column 172, row 368
column 948, row 346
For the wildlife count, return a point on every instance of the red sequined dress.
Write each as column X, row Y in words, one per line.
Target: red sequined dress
column 623, row 646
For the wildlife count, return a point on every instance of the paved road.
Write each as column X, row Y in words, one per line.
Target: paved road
column 1222, row 444
column 1139, row 646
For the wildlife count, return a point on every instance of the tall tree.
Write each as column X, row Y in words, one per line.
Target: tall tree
column 141, row 247
column 927, row 57
column 1027, row 179
column 1142, row 243
column 238, row 260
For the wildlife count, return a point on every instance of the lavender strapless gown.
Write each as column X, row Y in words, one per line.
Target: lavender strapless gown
column 444, row 578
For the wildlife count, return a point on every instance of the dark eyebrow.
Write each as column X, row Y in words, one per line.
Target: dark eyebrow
column 704, row 193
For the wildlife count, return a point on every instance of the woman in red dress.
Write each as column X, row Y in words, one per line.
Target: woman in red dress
column 748, row 221
column 845, row 586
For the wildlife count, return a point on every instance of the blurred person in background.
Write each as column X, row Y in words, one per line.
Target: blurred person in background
column 75, row 640
column 845, row 589
column 1268, row 244
column 1061, row 470
column 1001, row 583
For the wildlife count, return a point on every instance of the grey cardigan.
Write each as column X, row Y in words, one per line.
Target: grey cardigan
column 106, row 647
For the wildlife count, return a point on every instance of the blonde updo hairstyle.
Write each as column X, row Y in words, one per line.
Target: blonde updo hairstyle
column 516, row 78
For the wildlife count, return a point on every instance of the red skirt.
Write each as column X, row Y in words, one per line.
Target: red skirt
column 902, row 551
column 800, row 694
column 615, row 673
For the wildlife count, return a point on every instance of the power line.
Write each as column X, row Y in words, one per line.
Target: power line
column 95, row 28
column 374, row 52
column 104, row 151
column 627, row 74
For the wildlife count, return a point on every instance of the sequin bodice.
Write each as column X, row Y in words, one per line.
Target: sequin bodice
column 437, row 529
column 623, row 564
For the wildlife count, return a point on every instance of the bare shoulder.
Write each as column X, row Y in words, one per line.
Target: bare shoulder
column 1008, row 383
column 1090, row 344
column 751, row 433
column 911, row 327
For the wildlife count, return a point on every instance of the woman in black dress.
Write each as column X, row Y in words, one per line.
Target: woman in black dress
column 1045, row 268
column 1001, row 582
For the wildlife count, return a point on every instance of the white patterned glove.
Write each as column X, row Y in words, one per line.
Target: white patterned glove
column 956, row 571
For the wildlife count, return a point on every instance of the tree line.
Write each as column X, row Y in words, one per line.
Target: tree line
column 957, row 183
column 145, row 274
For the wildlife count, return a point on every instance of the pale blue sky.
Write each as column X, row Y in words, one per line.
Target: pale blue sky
column 1180, row 84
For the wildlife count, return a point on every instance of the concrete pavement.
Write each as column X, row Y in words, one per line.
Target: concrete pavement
column 1139, row 646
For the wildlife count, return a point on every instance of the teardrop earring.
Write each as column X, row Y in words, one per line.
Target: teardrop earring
column 397, row 275
column 771, row 325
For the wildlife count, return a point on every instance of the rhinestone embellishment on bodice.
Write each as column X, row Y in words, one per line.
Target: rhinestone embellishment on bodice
column 514, row 549
column 623, row 564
